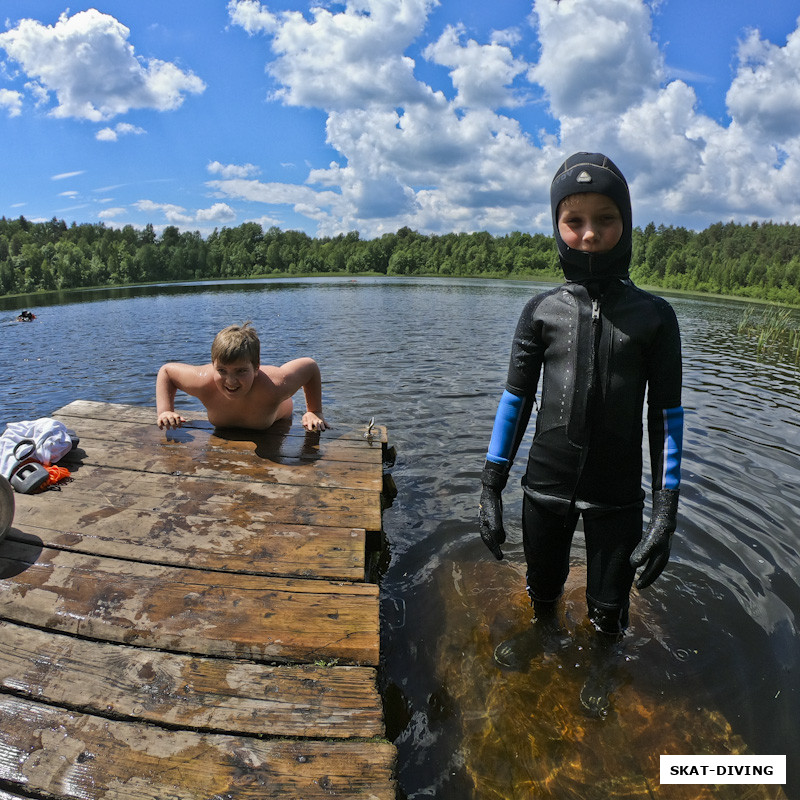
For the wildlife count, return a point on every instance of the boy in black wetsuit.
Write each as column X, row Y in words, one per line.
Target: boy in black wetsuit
column 599, row 345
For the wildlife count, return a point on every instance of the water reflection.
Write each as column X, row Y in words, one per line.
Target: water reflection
column 710, row 664
column 526, row 734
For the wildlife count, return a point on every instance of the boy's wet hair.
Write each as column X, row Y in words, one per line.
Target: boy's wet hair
column 237, row 342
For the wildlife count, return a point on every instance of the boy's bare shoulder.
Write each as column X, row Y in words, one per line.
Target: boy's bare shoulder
column 270, row 371
column 190, row 375
column 291, row 376
column 289, row 368
column 180, row 365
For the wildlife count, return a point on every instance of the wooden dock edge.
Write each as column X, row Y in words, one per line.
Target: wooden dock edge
column 114, row 685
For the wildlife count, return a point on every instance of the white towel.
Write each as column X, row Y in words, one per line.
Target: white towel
column 51, row 437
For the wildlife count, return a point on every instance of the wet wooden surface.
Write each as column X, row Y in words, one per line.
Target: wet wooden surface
column 190, row 616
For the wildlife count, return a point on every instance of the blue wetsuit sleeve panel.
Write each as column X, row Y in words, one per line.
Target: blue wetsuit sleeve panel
column 510, row 422
column 665, row 433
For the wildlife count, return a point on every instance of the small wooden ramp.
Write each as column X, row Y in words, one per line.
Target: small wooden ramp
column 191, row 618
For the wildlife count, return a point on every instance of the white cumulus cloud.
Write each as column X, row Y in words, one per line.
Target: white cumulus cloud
column 120, row 129
column 232, row 170
column 111, row 213
column 337, row 60
column 409, row 156
column 252, row 16
column 481, row 74
column 94, row 72
column 597, row 56
column 217, row 213
column 766, row 90
column 173, row 214
column 461, row 158
column 178, row 215
column 11, row 101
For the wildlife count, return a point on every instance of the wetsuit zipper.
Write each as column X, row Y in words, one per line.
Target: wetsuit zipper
column 592, row 386
column 593, row 361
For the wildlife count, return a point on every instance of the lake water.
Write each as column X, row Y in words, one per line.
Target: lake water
column 710, row 664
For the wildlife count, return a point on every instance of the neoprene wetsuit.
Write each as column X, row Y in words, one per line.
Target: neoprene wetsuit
column 600, row 346
column 600, row 354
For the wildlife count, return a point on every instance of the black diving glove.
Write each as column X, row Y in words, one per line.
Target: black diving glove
column 490, row 510
column 655, row 544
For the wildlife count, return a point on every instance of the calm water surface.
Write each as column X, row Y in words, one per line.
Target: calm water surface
column 710, row 664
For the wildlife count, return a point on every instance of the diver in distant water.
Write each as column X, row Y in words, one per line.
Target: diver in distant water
column 26, row 316
column 599, row 344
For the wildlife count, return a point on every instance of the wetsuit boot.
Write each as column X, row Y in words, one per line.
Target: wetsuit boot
column 542, row 635
column 600, row 683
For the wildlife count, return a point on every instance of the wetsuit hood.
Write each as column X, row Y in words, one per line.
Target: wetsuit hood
column 593, row 172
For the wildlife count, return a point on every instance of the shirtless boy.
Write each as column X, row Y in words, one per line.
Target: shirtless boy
column 237, row 391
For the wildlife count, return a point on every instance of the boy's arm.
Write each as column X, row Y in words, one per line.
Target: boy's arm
column 665, row 432
column 304, row 373
column 171, row 377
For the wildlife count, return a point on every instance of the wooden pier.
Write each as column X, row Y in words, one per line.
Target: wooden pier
column 191, row 617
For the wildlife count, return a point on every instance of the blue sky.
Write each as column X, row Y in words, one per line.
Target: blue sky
column 375, row 114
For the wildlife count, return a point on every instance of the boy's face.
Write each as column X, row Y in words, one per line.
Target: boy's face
column 234, row 378
column 589, row 222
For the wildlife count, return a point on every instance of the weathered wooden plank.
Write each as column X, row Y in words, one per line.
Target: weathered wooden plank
column 189, row 691
column 188, row 610
column 303, row 448
column 70, row 521
column 244, row 502
column 226, row 465
column 91, row 410
column 9, row 796
column 129, row 675
column 71, row 755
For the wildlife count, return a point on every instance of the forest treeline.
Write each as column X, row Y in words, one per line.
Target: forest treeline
column 759, row 260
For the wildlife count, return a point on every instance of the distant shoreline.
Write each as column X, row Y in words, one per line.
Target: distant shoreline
column 11, row 302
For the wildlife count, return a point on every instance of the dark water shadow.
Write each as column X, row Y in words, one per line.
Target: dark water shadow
column 19, row 551
column 277, row 443
column 179, row 435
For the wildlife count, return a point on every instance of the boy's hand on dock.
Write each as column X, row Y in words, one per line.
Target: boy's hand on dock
column 314, row 422
column 170, row 419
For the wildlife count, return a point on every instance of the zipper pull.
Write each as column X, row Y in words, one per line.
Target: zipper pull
column 595, row 310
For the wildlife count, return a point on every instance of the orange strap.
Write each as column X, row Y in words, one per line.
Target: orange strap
column 56, row 474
